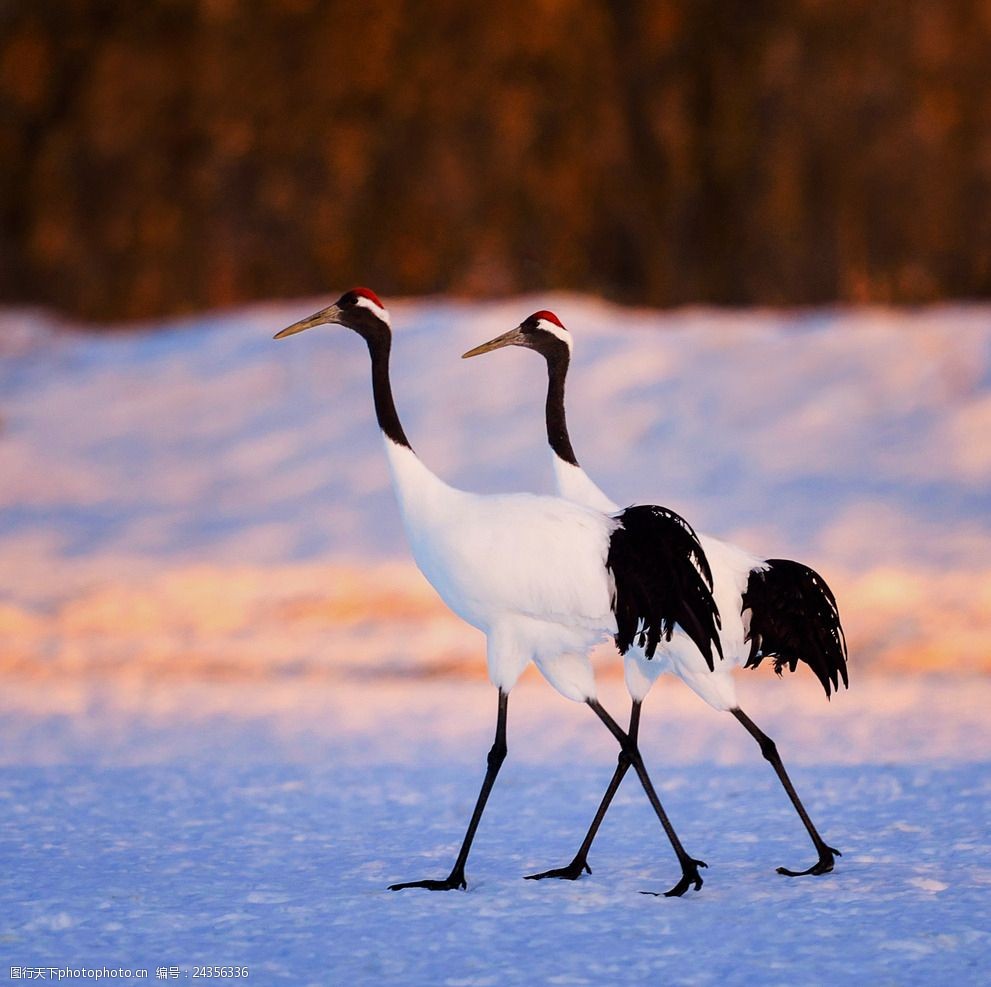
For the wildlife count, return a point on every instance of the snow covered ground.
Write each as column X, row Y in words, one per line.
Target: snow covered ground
column 231, row 712
column 267, row 840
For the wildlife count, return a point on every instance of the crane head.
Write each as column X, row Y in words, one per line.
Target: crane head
column 543, row 331
column 359, row 309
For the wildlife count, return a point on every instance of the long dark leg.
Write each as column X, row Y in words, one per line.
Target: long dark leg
column 456, row 879
column 770, row 751
column 579, row 865
column 689, row 866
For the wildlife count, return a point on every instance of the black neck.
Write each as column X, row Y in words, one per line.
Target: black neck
column 385, row 407
column 557, row 425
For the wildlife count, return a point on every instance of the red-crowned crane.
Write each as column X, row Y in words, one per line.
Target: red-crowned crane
column 543, row 578
column 769, row 608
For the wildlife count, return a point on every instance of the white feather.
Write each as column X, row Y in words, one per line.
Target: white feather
column 528, row 571
column 363, row 301
column 573, row 483
column 555, row 330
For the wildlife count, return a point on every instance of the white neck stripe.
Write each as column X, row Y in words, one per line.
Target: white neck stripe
column 375, row 309
column 555, row 330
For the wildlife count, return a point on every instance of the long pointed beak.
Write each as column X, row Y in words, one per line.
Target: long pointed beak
column 329, row 315
column 512, row 338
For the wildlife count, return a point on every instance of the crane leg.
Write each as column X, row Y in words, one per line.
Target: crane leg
column 579, row 864
column 497, row 754
column 770, row 751
column 690, row 875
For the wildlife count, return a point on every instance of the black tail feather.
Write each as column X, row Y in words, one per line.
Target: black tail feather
column 662, row 578
column 793, row 618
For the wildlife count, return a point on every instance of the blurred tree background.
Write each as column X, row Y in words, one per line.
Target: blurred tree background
column 167, row 155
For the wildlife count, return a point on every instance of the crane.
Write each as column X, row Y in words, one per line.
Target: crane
column 773, row 609
column 543, row 578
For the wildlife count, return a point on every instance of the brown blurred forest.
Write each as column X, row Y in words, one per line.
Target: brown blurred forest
column 167, row 155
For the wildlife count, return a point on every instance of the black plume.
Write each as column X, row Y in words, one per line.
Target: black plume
column 662, row 579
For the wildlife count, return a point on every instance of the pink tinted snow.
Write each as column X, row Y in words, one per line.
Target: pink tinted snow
column 192, row 503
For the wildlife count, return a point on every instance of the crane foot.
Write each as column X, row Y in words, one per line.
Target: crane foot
column 572, row 872
column 690, row 877
column 456, row 882
column 823, row 865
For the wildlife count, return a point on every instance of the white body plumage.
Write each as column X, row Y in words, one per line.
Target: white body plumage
column 528, row 571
